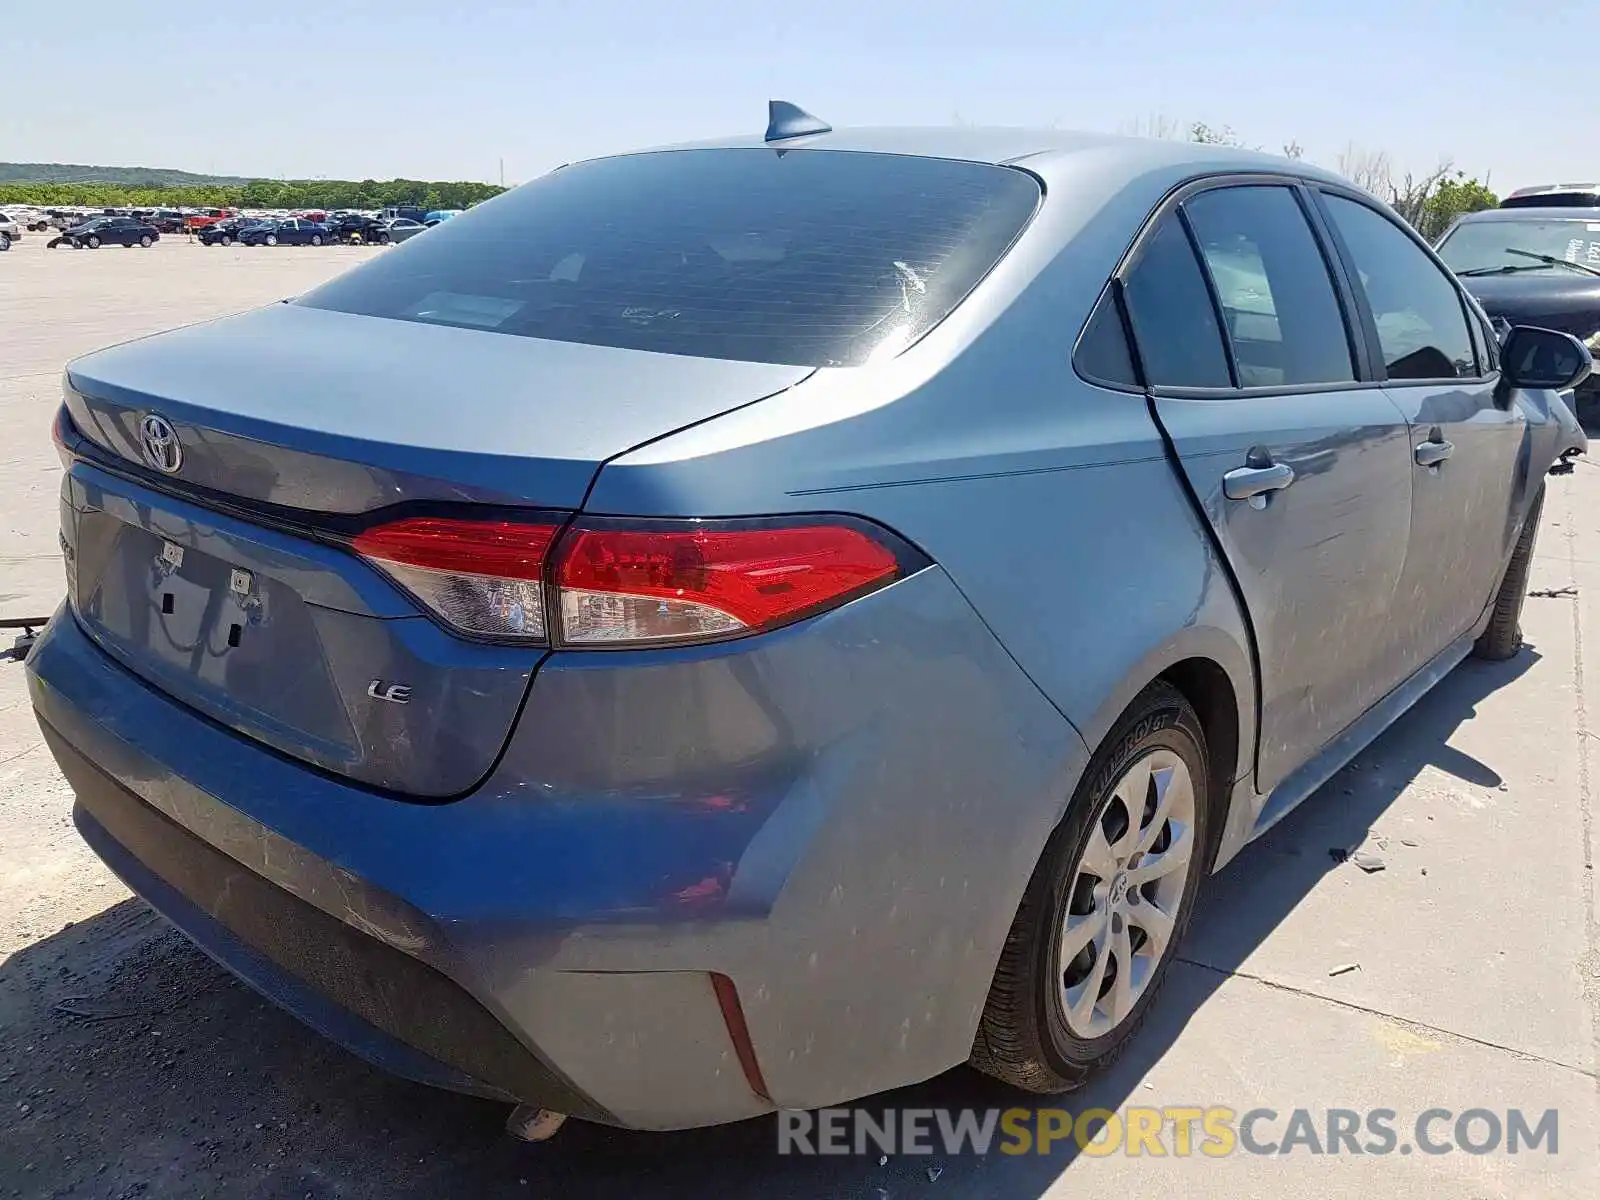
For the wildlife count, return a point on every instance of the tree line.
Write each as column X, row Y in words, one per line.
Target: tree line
column 1429, row 201
column 257, row 193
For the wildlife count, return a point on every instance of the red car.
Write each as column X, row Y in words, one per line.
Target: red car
column 210, row 217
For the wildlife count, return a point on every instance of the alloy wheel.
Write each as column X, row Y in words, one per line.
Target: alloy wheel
column 1126, row 892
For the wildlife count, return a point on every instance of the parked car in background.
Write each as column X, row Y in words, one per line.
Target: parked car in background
column 356, row 227
column 408, row 212
column 167, row 221
column 1535, row 266
column 10, row 230
column 112, row 231
column 198, row 221
column 221, row 233
column 631, row 633
column 1555, row 195
column 440, row 215
column 400, row 229
column 290, row 231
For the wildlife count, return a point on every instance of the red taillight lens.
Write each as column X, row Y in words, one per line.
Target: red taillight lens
column 626, row 583
column 483, row 577
column 620, row 585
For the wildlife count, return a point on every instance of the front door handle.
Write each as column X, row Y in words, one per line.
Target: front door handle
column 1433, row 452
column 1253, row 483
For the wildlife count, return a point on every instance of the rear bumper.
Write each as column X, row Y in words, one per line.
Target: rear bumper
column 839, row 818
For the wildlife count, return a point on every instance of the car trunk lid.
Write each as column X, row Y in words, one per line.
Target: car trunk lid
column 227, row 581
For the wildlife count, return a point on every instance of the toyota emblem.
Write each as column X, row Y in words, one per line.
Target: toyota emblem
column 159, row 441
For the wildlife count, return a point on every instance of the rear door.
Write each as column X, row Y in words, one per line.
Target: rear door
column 1467, row 443
column 1301, row 465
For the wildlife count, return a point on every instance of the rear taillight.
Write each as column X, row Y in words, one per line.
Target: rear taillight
column 482, row 577
column 613, row 583
column 58, row 435
column 619, row 584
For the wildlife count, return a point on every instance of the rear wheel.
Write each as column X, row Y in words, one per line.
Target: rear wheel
column 316, row 239
column 144, row 240
column 224, row 240
column 1502, row 638
column 271, row 239
column 1106, row 906
column 5, row 241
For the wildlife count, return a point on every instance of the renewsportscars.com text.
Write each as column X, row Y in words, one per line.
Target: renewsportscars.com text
column 1171, row 1130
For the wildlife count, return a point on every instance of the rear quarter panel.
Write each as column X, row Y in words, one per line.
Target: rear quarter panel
column 1050, row 502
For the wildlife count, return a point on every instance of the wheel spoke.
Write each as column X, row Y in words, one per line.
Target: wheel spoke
column 1133, row 790
column 1172, row 786
column 1121, row 997
column 1157, row 925
column 1097, row 857
column 1174, row 858
column 1083, row 1007
column 1079, row 931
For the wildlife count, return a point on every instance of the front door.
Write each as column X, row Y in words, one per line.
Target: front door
column 1466, row 443
column 1303, row 473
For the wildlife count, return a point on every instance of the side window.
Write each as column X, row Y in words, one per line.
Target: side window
column 1102, row 353
column 1272, row 283
column 1173, row 318
column 1422, row 327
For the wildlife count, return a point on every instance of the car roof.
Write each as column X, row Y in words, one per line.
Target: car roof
column 1556, row 212
column 1553, row 189
column 1038, row 148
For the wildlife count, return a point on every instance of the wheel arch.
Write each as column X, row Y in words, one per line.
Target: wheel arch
column 1206, row 686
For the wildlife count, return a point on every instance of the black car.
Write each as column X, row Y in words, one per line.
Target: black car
column 167, row 221
column 221, row 233
column 353, row 227
column 290, row 231
column 112, row 231
column 1535, row 266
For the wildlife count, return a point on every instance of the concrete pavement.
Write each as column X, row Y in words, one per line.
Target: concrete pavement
column 129, row 1064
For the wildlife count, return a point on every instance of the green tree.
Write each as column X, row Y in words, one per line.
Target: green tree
column 1450, row 199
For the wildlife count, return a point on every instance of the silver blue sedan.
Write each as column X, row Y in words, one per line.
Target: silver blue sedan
column 749, row 625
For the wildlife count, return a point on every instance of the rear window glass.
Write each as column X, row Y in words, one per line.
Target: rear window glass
column 805, row 257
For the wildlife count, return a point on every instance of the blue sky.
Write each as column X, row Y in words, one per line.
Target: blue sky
column 447, row 88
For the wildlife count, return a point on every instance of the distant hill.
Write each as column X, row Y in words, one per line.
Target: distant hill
column 125, row 176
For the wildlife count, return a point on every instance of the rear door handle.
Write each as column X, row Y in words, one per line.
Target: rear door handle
column 1433, row 452
column 1253, row 483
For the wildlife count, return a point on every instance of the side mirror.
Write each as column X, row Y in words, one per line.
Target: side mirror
column 1542, row 358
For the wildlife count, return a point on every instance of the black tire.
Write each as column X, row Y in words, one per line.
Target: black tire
column 5, row 242
column 1502, row 637
column 270, row 240
column 1023, row 1038
column 224, row 241
column 145, row 241
column 94, row 242
column 316, row 239
column 384, row 239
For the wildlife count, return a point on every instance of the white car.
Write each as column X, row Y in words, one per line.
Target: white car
column 10, row 230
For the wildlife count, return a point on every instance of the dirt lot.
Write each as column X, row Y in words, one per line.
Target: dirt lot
column 130, row 1065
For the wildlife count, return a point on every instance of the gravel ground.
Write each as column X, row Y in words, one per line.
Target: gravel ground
column 131, row 1066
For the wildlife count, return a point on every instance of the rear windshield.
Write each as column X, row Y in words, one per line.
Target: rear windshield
column 804, row 257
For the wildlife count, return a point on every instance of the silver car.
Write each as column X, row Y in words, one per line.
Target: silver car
column 750, row 625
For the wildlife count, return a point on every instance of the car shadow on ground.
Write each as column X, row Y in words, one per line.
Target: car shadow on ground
column 138, row 1067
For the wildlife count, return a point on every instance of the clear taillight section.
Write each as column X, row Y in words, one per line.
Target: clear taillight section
column 620, row 583
column 659, row 584
column 482, row 577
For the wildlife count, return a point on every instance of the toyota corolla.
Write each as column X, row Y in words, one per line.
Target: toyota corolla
column 749, row 625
